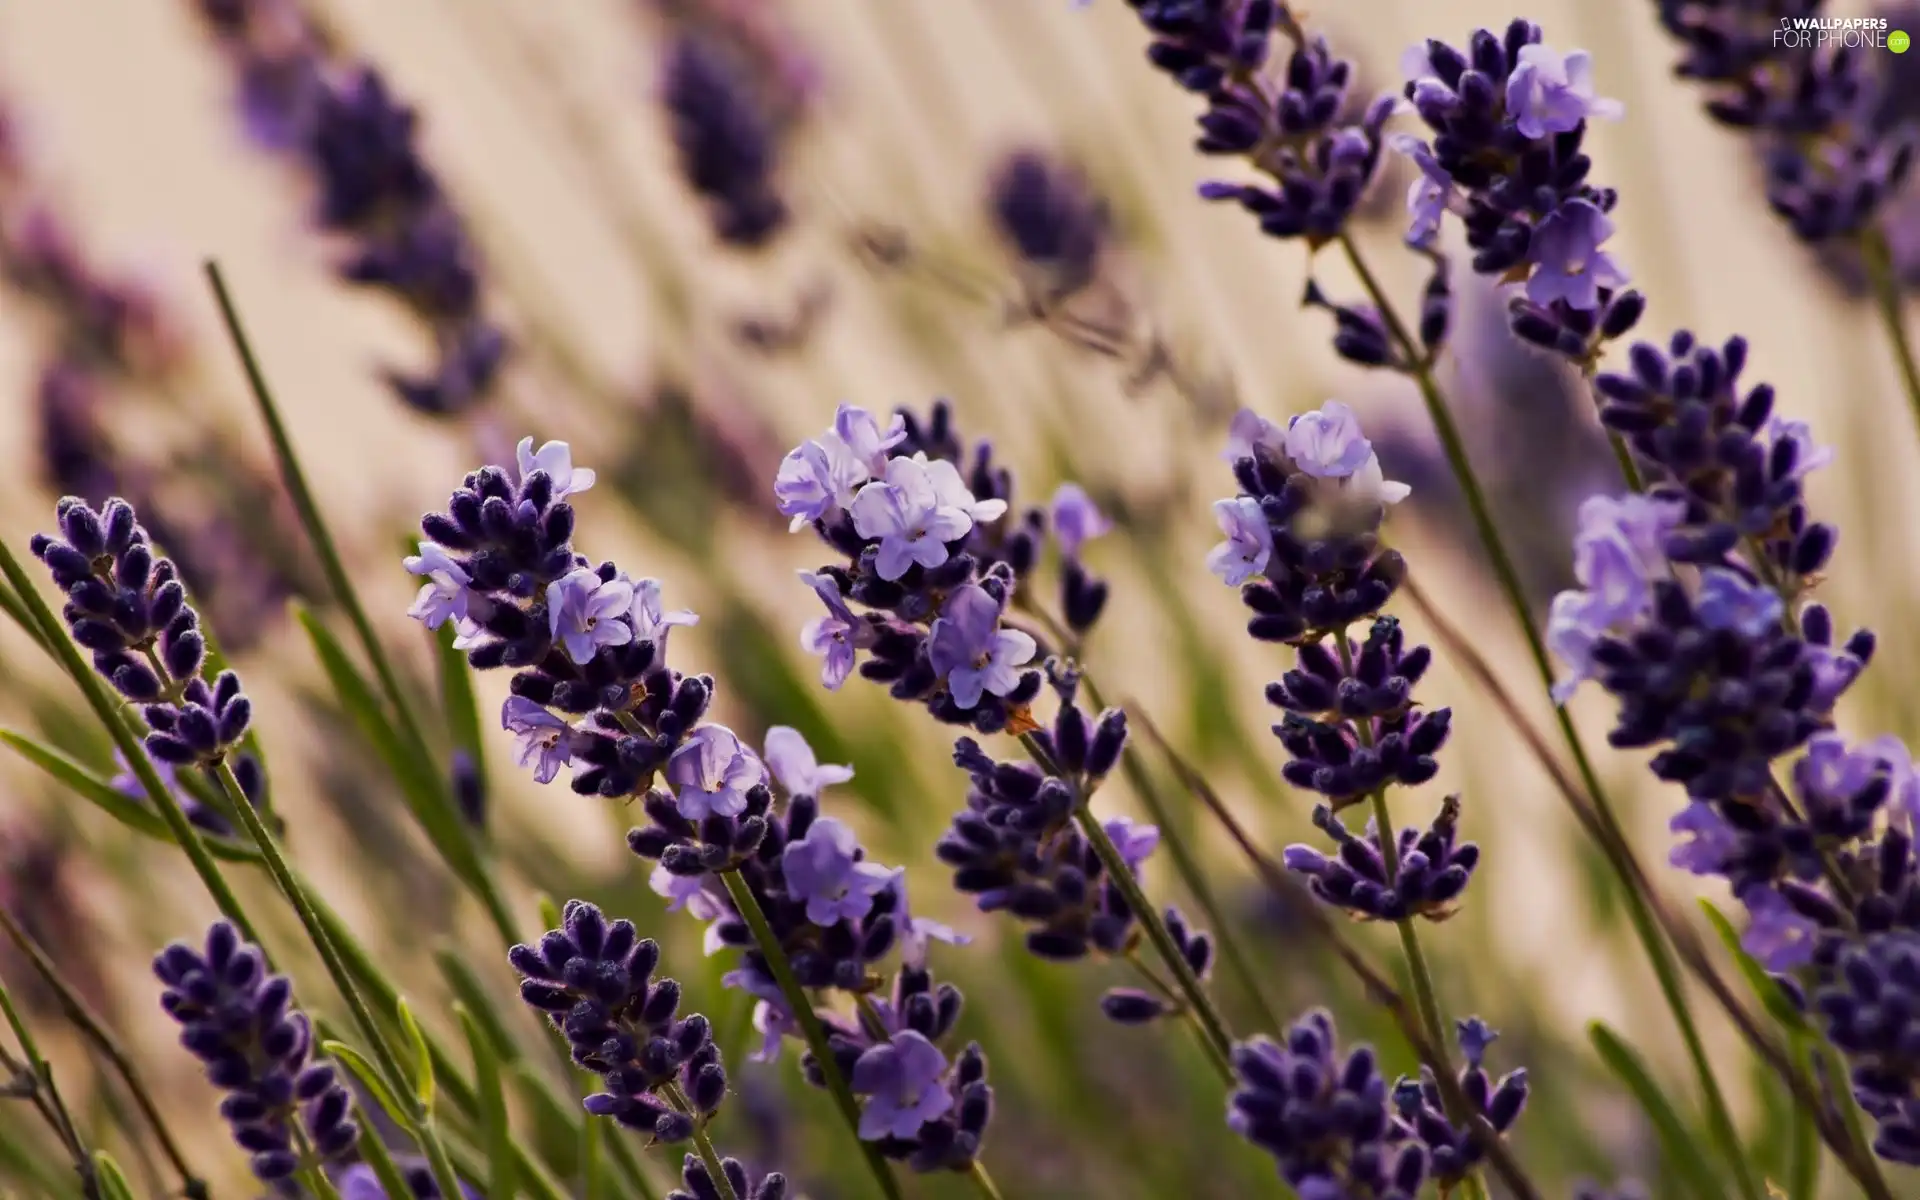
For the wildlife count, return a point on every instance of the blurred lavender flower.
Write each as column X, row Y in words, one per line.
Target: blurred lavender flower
column 1051, row 222
column 127, row 606
column 239, row 1021
column 208, row 818
column 374, row 191
column 728, row 149
column 698, row 1183
column 358, row 1182
column 594, row 981
column 44, row 889
column 1832, row 157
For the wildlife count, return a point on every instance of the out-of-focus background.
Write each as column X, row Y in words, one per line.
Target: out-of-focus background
column 682, row 369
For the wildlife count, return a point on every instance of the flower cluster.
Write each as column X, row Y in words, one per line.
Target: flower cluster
column 697, row 1183
column 240, row 1022
column 1454, row 1152
column 728, row 148
column 1051, row 221
column 1326, row 1120
column 593, row 978
column 127, row 606
column 1507, row 117
column 374, row 191
column 1830, row 163
column 935, row 560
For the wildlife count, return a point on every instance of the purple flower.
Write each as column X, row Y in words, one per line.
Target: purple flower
column 837, row 637
column 1710, row 843
column 903, row 1080
column 1808, row 455
column 817, row 479
column 1429, row 195
column 1250, row 434
column 1249, row 540
column 650, row 619
column 1134, row 841
column 1618, row 551
column 971, row 652
column 1328, row 444
column 712, row 772
column 916, row 932
column 1076, row 521
column 542, row 735
column 556, row 459
column 701, row 896
column 861, row 434
column 793, row 763
column 1832, row 773
column 824, row 870
column 445, row 595
column 910, row 516
column 1569, row 263
column 1547, row 94
column 1728, row 601
column 584, row 611
column 1779, row 936
column 951, row 491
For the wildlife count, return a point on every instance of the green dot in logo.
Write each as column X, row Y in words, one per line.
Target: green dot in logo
column 1898, row 41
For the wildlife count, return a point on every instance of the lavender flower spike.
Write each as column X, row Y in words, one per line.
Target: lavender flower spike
column 971, row 652
column 1548, row 94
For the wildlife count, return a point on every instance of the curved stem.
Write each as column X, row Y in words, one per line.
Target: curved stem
column 1208, row 1023
column 810, row 1027
column 398, row 1078
column 1665, row 972
column 192, row 1186
column 44, row 1093
column 1886, row 296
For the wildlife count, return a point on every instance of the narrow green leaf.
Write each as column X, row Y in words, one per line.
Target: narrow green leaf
column 495, row 1130
column 1803, row 1138
column 1678, row 1145
column 1769, row 993
column 422, row 1057
column 549, row 911
column 472, row 994
column 418, row 785
column 110, row 800
column 460, row 703
column 369, row 1077
column 112, row 1180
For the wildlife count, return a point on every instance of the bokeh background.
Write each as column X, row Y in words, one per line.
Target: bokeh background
column 681, row 369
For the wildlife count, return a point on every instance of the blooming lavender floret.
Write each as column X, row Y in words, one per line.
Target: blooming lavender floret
column 1325, row 1119
column 127, row 605
column 1431, row 868
column 240, row 1022
column 593, row 978
column 933, row 559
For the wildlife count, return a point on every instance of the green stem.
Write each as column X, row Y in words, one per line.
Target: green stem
column 378, row 1157
column 1192, row 875
column 463, row 857
column 1200, row 1009
column 703, row 1144
column 1719, row 1115
column 1886, row 296
column 983, row 1182
column 45, row 1095
column 192, row 1186
column 810, row 1027
column 107, row 712
column 398, row 1078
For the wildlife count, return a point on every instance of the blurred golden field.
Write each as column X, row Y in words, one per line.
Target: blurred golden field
column 542, row 118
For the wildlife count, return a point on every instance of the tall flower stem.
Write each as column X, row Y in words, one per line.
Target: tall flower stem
column 1667, row 974
column 192, row 1185
column 702, row 1143
column 449, row 832
column 983, row 1182
column 1426, row 1000
column 1886, row 297
column 44, row 1094
column 1208, row 1023
column 810, row 1027
column 398, row 1079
